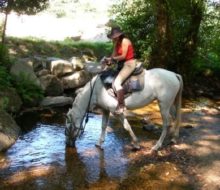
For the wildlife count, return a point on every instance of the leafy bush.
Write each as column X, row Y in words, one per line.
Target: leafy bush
column 29, row 92
column 5, row 78
column 4, row 101
column 4, row 57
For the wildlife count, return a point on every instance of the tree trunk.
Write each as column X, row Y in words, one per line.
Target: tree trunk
column 163, row 42
column 189, row 46
column 4, row 28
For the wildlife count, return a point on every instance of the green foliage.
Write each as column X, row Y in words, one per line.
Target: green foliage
column 208, row 59
column 5, row 78
column 27, row 89
column 4, row 102
column 23, row 6
column 138, row 18
column 100, row 49
column 4, row 57
column 63, row 49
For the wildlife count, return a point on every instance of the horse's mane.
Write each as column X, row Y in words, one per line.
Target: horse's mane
column 82, row 91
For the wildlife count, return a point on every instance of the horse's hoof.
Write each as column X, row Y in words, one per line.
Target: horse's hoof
column 153, row 151
column 150, row 152
column 136, row 147
column 173, row 141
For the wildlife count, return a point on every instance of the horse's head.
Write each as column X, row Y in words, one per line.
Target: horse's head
column 72, row 129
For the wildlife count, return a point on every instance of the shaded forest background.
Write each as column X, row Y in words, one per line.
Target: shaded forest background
column 181, row 36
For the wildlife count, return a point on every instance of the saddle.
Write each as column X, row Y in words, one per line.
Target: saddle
column 134, row 83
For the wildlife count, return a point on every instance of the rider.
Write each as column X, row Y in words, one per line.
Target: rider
column 123, row 54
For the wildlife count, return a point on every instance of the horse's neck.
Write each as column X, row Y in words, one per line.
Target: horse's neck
column 85, row 99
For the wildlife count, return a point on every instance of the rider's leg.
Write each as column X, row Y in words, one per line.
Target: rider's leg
column 127, row 69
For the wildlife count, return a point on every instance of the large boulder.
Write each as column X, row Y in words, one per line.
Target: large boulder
column 56, row 101
column 61, row 67
column 39, row 63
column 10, row 100
column 25, row 67
column 9, row 131
column 76, row 80
column 51, row 85
column 76, row 63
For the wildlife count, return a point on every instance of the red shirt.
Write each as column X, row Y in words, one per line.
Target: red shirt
column 130, row 52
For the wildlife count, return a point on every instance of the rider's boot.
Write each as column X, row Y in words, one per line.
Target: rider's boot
column 120, row 107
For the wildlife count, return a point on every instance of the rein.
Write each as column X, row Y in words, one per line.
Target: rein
column 86, row 114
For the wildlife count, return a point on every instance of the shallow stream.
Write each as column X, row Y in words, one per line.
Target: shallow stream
column 40, row 159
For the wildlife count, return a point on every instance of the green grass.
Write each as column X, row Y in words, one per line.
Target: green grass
column 28, row 47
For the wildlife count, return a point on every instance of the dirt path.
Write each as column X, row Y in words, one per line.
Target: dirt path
column 202, row 142
column 198, row 150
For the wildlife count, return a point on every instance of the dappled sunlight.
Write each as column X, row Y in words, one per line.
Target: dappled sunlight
column 29, row 174
column 206, row 147
column 149, row 113
column 4, row 163
column 182, row 146
column 153, row 107
column 40, row 158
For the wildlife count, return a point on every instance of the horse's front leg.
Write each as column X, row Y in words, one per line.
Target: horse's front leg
column 105, row 118
column 127, row 127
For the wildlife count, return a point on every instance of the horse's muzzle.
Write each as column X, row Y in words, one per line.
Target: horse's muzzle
column 70, row 143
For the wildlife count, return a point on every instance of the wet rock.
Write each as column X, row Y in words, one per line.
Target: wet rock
column 76, row 80
column 24, row 67
column 10, row 100
column 61, row 67
column 51, row 85
column 76, row 63
column 9, row 131
column 56, row 101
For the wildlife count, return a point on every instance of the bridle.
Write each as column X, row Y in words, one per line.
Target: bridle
column 81, row 128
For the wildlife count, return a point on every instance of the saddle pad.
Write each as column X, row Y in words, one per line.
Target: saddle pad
column 132, row 84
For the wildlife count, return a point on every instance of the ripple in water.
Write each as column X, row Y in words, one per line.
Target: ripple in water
column 45, row 146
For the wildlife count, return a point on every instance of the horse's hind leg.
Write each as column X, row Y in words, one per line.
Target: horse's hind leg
column 174, row 130
column 127, row 127
column 105, row 118
column 165, row 114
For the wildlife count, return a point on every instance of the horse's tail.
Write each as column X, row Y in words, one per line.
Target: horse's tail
column 178, row 104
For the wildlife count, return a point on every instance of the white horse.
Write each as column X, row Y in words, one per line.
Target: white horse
column 160, row 84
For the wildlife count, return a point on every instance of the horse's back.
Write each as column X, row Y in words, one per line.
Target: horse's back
column 162, row 82
column 159, row 75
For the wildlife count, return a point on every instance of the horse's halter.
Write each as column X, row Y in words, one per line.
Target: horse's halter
column 81, row 128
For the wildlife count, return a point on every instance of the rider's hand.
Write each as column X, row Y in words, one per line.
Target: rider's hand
column 108, row 60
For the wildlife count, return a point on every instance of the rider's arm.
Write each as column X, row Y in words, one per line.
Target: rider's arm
column 110, row 59
column 125, row 43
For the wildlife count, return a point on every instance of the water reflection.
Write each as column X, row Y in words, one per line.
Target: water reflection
column 43, row 149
